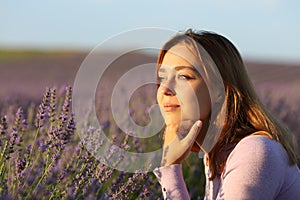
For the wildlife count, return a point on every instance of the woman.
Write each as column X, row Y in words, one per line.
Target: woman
column 249, row 155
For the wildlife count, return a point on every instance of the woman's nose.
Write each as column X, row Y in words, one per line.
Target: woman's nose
column 167, row 89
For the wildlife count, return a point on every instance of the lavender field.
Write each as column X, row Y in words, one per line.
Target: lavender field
column 41, row 155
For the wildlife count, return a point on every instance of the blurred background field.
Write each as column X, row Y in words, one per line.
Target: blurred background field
column 28, row 73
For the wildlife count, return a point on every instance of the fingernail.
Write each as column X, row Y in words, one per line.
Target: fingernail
column 199, row 123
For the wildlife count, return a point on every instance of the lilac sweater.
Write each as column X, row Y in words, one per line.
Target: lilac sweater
column 257, row 168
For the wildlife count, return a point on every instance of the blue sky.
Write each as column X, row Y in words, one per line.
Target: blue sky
column 261, row 29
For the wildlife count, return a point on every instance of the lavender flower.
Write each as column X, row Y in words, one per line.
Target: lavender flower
column 67, row 101
column 3, row 130
column 42, row 110
column 3, row 126
column 52, row 105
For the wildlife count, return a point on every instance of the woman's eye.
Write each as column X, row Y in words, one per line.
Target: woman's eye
column 161, row 79
column 184, row 77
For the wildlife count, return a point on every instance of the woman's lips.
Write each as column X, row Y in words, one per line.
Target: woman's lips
column 170, row 107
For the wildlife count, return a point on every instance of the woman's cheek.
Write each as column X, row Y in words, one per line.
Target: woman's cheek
column 189, row 105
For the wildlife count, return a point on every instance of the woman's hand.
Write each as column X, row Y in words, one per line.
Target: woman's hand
column 178, row 141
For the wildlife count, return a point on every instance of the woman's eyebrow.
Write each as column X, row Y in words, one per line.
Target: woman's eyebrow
column 178, row 68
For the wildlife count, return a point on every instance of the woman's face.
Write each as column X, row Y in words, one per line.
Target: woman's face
column 182, row 92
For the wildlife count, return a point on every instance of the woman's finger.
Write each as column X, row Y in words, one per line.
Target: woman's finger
column 176, row 150
column 191, row 136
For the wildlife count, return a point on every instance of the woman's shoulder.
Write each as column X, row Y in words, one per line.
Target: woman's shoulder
column 259, row 141
column 263, row 164
column 259, row 149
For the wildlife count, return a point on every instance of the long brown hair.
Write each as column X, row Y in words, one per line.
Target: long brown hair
column 245, row 114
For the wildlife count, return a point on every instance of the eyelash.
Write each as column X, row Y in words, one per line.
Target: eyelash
column 184, row 77
column 180, row 77
column 160, row 79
